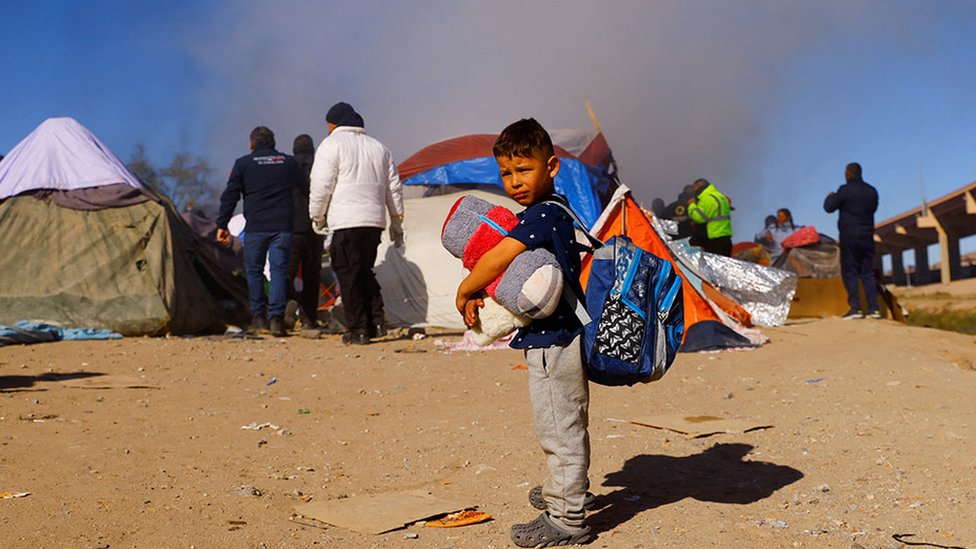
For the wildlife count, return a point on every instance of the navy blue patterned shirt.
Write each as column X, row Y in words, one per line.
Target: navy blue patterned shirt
column 544, row 225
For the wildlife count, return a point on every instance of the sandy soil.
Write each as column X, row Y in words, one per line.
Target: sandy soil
column 873, row 440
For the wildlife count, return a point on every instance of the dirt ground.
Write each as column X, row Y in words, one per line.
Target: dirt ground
column 958, row 295
column 872, row 444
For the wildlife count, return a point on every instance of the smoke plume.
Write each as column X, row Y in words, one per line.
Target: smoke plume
column 682, row 89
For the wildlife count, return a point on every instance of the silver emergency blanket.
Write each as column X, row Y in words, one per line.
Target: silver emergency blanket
column 669, row 226
column 764, row 292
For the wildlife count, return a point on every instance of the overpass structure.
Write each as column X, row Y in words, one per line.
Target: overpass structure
column 942, row 221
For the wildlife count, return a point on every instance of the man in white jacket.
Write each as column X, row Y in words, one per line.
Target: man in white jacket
column 354, row 183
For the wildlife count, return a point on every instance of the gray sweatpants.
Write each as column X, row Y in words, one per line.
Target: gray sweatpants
column 560, row 398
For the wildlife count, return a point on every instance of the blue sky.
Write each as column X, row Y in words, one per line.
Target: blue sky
column 121, row 69
column 767, row 99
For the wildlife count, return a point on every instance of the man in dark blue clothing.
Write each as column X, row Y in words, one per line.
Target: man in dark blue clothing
column 265, row 178
column 857, row 202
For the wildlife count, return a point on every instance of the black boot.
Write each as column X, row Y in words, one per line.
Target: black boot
column 258, row 324
column 377, row 330
column 307, row 323
column 356, row 337
column 278, row 327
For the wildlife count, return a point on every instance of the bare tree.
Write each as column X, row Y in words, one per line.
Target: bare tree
column 185, row 180
column 140, row 165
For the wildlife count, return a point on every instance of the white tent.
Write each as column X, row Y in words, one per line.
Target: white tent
column 61, row 154
column 419, row 280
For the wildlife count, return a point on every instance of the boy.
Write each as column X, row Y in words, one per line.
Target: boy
column 558, row 387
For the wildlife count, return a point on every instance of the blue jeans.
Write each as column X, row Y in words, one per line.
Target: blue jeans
column 276, row 246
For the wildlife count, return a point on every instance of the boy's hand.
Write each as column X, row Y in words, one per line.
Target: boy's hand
column 491, row 265
column 468, row 307
column 471, row 311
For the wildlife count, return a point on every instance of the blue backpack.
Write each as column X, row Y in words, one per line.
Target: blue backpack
column 635, row 313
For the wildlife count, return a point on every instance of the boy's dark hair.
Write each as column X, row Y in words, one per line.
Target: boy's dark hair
column 262, row 138
column 523, row 138
column 854, row 169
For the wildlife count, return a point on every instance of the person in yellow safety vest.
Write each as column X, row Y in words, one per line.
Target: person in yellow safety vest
column 711, row 208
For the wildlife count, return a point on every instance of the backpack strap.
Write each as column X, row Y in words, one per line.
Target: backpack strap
column 594, row 242
column 574, row 301
column 577, row 304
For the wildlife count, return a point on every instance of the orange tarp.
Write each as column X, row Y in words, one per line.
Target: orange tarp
column 639, row 229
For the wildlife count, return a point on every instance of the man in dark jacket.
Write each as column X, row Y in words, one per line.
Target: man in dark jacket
column 265, row 178
column 857, row 202
column 306, row 244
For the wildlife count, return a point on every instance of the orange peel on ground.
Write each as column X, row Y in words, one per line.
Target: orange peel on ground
column 461, row 518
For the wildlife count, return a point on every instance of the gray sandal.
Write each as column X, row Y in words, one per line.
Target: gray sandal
column 543, row 532
column 537, row 501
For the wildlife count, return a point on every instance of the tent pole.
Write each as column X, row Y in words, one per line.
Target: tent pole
column 613, row 163
column 596, row 124
column 623, row 216
column 589, row 111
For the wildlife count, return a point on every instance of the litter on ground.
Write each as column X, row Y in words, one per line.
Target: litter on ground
column 700, row 426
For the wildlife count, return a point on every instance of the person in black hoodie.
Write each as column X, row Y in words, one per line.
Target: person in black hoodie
column 857, row 202
column 306, row 244
column 678, row 211
column 265, row 179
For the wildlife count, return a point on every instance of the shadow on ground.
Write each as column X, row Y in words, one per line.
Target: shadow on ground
column 718, row 475
column 22, row 383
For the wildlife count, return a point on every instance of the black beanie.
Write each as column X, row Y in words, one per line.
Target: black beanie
column 342, row 114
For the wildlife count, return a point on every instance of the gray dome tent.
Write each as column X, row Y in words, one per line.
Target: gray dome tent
column 86, row 244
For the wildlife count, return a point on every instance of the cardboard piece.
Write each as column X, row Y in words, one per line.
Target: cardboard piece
column 700, row 426
column 823, row 297
column 108, row 381
column 379, row 513
column 818, row 297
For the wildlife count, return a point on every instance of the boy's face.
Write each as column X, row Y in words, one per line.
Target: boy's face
column 528, row 179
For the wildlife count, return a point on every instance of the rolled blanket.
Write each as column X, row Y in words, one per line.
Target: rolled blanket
column 473, row 227
column 531, row 286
